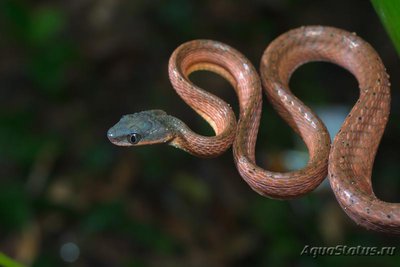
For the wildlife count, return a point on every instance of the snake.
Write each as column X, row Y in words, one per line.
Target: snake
column 347, row 162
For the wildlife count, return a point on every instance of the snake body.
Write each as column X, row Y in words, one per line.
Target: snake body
column 353, row 150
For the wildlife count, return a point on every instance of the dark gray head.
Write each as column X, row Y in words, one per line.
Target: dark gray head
column 142, row 128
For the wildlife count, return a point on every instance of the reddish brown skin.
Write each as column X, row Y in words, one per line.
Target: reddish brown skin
column 354, row 147
column 226, row 61
column 353, row 150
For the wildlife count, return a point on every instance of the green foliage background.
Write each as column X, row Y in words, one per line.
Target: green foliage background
column 388, row 11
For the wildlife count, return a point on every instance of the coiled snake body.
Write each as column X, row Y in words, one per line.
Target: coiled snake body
column 349, row 159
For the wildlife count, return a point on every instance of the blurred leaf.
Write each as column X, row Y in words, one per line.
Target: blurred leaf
column 47, row 259
column 17, row 141
column 388, row 11
column 111, row 216
column 178, row 14
column 45, row 24
column 270, row 216
column 5, row 261
column 49, row 64
column 98, row 156
column 154, row 166
column 285, row 250
column 149, row 236
column 194, row 188
column 17, row 15
column 14, row 207
column 102, row 217
column 50, row 55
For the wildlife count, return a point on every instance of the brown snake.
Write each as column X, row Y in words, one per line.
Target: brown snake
column 352, row 153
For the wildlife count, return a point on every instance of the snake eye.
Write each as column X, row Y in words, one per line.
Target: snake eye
column 134, row 138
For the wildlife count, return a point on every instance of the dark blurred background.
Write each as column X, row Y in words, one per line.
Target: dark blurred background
column 68, row 197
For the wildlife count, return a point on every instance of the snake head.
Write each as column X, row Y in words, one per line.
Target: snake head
column 142, row 128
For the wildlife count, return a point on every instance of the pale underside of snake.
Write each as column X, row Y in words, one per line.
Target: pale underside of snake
column 352, row 153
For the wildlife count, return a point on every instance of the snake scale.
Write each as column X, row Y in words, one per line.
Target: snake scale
column 348, row 161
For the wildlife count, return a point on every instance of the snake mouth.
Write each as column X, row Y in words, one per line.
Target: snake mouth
column 116, row 139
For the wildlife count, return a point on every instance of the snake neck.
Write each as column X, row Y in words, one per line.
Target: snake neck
column 198, row 145
column 178, row 130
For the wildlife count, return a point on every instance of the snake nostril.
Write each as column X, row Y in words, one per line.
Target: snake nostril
column 110, row 134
